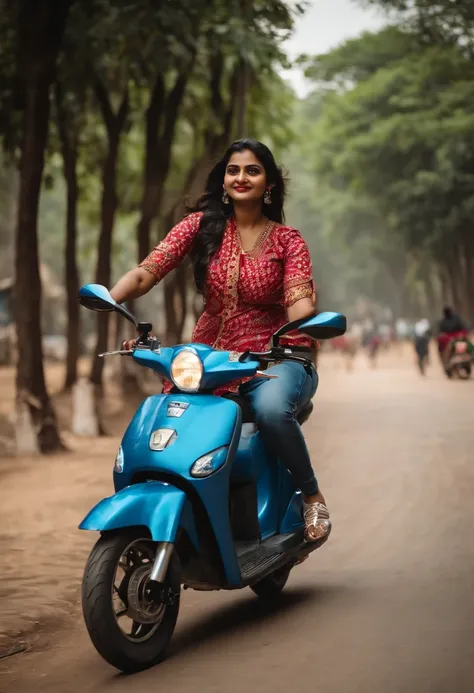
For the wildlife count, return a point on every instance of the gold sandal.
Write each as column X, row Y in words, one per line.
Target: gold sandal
column 317, row 522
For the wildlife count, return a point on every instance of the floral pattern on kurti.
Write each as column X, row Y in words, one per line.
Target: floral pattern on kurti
column 246, row 293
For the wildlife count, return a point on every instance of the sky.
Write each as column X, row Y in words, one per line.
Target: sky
column 326, row 24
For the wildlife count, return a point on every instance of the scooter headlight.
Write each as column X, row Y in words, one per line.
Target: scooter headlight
column 187, row 370
column 210, row 463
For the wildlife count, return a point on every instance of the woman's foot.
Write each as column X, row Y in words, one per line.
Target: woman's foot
column 316, row 519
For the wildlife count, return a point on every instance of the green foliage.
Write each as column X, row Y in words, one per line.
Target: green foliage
column 128, row 44
column 359, row 58
column 389, row 149
column 435, row 22
column 402, row 138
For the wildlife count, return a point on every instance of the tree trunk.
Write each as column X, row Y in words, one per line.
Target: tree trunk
column 40, row 31
column 215, row 140
column 181, row 297
column 175, row 289
column 430, row 295
column 243, row 81
column 161, row 120
column 114, row 124
column 131, row 375
column 445, row 286
column 151, row 193
column 241, row 121
column 71, row 272
column 470, row 285
column 453, row 280
column 170, row 311
column 467, row 251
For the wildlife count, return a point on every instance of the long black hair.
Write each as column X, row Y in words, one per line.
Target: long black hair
column 216, row 213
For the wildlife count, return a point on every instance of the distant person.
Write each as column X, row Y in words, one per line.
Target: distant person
column 372, row 341
column 451, row 326
column 402, row 329
column 422, row 336
column 451, row 322
column 385, row 333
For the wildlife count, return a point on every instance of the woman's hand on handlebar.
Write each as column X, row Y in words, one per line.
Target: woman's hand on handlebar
column 131, row 343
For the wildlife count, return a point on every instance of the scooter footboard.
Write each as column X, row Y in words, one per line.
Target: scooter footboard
column 160, row 507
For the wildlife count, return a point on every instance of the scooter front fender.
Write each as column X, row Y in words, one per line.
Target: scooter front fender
column 159, row 506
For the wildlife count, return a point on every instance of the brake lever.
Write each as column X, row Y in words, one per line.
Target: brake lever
column 275, row 354
column 122, row 352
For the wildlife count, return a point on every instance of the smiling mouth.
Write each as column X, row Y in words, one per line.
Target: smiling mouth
column 241, row 188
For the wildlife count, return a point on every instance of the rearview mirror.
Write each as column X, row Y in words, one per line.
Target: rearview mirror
column 97, row 297
column 323, row 326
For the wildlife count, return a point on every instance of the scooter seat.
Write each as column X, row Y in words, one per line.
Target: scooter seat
column 248, row 416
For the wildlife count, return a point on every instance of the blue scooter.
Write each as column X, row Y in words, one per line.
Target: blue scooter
column 198, row 500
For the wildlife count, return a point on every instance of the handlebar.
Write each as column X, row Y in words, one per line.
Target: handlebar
column 264, row 358
column 277, row 353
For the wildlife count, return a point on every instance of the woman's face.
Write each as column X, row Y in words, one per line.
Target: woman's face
column 245, row 179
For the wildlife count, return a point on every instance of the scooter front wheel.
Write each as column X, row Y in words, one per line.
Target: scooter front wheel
column 271, row 586
column 129, row 622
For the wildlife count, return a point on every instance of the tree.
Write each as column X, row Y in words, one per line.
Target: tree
column 359, row 58
column 435, row 22
column 166, row 67
column 229, row 40
column 40, row 28
column 101, row 66
column 401, row 138
column 114, row 122
column 68, row 130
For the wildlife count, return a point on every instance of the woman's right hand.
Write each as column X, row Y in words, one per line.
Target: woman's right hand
column 130, row 343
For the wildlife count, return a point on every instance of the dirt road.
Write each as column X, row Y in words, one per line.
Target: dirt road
column 386, row 606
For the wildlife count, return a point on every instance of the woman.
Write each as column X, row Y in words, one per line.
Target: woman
column 255, row 275
column 422, row 335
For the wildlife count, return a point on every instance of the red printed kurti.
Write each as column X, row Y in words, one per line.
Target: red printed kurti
column 246, row 292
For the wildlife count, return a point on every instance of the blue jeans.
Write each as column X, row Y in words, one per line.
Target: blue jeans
column 275, row 404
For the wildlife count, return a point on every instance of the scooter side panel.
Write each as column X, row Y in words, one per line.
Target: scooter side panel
column 279, row 505
column 156, row 505
column 253, row 462
column 292, row 518
column 207, row 423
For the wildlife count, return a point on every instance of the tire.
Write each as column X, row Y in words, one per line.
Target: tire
column 147, row 646
column 465, row 372
column 271, row 586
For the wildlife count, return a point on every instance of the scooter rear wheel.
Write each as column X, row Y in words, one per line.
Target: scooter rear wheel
column 271, row 586
column 129, row 625
column 464, row 372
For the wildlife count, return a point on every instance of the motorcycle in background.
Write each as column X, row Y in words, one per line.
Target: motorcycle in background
column 457, row 353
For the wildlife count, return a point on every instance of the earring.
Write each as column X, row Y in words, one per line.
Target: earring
column 225, row 197
column 267, row 198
